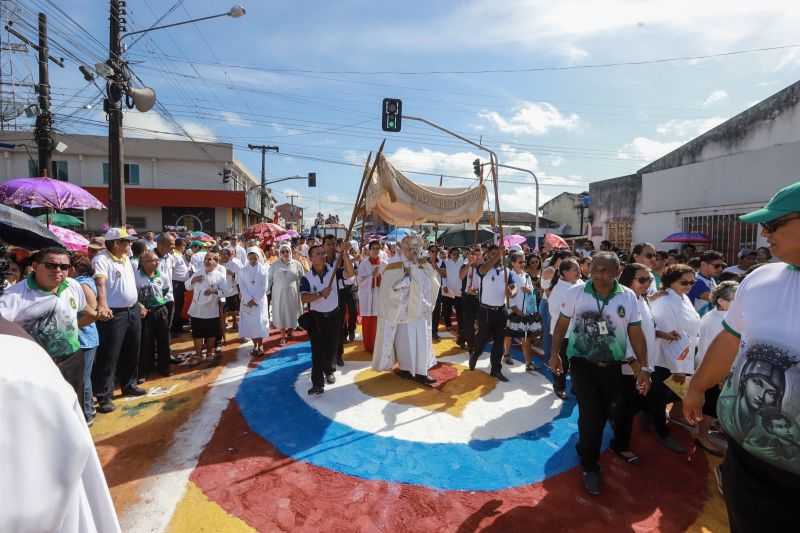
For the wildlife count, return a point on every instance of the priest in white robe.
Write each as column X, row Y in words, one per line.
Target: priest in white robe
column 408, row 291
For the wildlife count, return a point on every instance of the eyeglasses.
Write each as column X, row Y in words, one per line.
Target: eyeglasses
column 56, row 266
column 773, row 225
column 718, row 266
column 284, row 251
column 644, row 280
column 687, row 283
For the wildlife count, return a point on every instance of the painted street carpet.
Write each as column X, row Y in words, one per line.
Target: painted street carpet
column 241, row 447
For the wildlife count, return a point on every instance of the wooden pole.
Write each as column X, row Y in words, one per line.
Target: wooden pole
column 360, row 198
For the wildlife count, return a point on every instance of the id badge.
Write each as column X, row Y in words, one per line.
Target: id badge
column 602, row 327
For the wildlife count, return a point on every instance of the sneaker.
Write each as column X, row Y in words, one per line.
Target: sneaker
column 591, row 482
column 672, row 445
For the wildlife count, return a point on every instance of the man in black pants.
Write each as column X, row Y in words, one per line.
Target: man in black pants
column 332, row 252
column 348, row 296
column 606, row 316
column 318, row 290
column 119, row 323
column 470, row 281
column 492, row 313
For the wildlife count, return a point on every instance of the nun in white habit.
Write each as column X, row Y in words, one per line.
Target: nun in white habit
column 253, row 307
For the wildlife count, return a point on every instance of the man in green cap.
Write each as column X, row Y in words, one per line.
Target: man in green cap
column 757, row 355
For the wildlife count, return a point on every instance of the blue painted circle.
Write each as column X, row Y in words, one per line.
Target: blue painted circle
column 271, row 407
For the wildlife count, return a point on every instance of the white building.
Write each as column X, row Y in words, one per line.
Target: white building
column 707, row 183
column 167, row 182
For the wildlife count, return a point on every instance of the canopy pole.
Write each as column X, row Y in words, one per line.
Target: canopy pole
column 360, row 198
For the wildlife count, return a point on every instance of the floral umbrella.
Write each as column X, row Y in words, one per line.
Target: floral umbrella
column 71, row 240
column 510, row 240
column 264, row 230
column 555, row 241
column 46, row 192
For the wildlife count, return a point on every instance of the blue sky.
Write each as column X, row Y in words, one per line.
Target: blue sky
column 309, row 76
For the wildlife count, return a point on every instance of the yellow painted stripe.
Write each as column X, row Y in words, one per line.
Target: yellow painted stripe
column 195, row 513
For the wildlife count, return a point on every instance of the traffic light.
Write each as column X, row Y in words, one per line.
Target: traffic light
column 392, row 113
column 312, row 179
column 476, row 167
column 226, row 175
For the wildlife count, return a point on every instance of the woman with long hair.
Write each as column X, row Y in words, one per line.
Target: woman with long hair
column 81, row 269
column 545, row 282
column 567, row 276
column 645, row 254
column 636, row 277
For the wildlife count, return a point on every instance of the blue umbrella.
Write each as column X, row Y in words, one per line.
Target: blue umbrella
column 397, row 234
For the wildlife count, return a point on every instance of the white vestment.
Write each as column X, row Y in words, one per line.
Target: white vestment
column 51, row 476
column 368, row 291
column 407, row 295
column 253, row 321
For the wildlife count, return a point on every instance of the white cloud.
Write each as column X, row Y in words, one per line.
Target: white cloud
column 789, row 58
column 522, row 198
column 533, row 119
column 689, row 127
column 556, row 161
column 151, row 125
column 234, row 118
column 647, row 148
column 715, row 97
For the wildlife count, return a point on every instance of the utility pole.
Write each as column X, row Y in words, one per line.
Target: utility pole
column 44, row 119
column 113, row 107
column 264, row 149
column 292, row 197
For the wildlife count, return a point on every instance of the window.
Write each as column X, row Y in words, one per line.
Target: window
column 728, row 234
column 131, row 173
column 137, row 222
column 59, row 170
column 620, row 233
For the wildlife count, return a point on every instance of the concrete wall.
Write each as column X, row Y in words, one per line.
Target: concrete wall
column 562, row 209
column 613, row 200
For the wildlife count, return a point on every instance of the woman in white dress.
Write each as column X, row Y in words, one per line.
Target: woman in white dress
column 254, row 310
column 284, row 288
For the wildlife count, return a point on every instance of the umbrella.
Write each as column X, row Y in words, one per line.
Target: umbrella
column 510, row 240
column 397, row 234
column 46, row 192
column 687, row 236
column 72, row 241
column 60, row 219
column 292, row 233
column 555, row 241
column 23, row 230
column 284, row 237
column 464, row 235
column 434, row 235
column 263, row 230
column 202, row 236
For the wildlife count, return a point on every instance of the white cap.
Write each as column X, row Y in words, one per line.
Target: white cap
column 115, row 234
column 515, row 248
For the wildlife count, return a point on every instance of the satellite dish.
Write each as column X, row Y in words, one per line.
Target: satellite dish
column 143, row 99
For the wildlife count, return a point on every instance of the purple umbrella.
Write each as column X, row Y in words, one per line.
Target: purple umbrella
column 46, row 192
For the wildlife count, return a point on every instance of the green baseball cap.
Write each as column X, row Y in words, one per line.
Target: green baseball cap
column 785, row 201
column 196, row 243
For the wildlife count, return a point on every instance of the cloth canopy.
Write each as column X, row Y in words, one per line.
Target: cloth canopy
column 400, row 201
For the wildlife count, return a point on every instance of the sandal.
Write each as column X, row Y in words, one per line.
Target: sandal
column 530, row 367
column 282, row 342
column 561, row 394
column 507, row 359
column 195, row 360
column 712, row 451
column 630, row 459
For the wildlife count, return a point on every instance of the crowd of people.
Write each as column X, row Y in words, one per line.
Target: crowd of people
column 638, row 332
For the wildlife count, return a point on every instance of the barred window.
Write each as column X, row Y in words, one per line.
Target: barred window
column 728, row 234
column 620, row 233
column 137, row 222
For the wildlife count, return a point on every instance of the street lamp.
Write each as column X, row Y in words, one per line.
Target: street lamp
column 119, row 85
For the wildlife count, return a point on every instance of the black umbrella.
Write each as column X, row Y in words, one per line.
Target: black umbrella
column 463, row 235
column 23, row 230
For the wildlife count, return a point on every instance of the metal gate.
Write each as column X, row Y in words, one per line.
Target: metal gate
column 728, row 234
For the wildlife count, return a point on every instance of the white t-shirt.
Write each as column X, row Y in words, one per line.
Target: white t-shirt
column 674, row 312
column 600, row 326
column 51, row 319
column 206, row 305
column 120, row 279
column 311, row 283
column 493, row 287
column 649, row 330
column 196, row 262
column 735, row 269
column 180, row 270
column 452, row 281
column 232, row 269
column 557, row 296
column 759, row 406
column 523, row 280
column 710, row 326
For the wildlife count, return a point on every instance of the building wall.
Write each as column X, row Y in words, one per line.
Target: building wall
column 562, row 209
column 613, row 200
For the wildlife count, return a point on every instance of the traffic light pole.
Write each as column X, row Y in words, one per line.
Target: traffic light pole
column 536, row 180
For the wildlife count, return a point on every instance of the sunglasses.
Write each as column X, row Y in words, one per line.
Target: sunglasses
column 284, row 251
column 644, row 280
column 687, row 283
column 719, row 266
column 773, row 225
column 56, row 266
column 649, row 256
